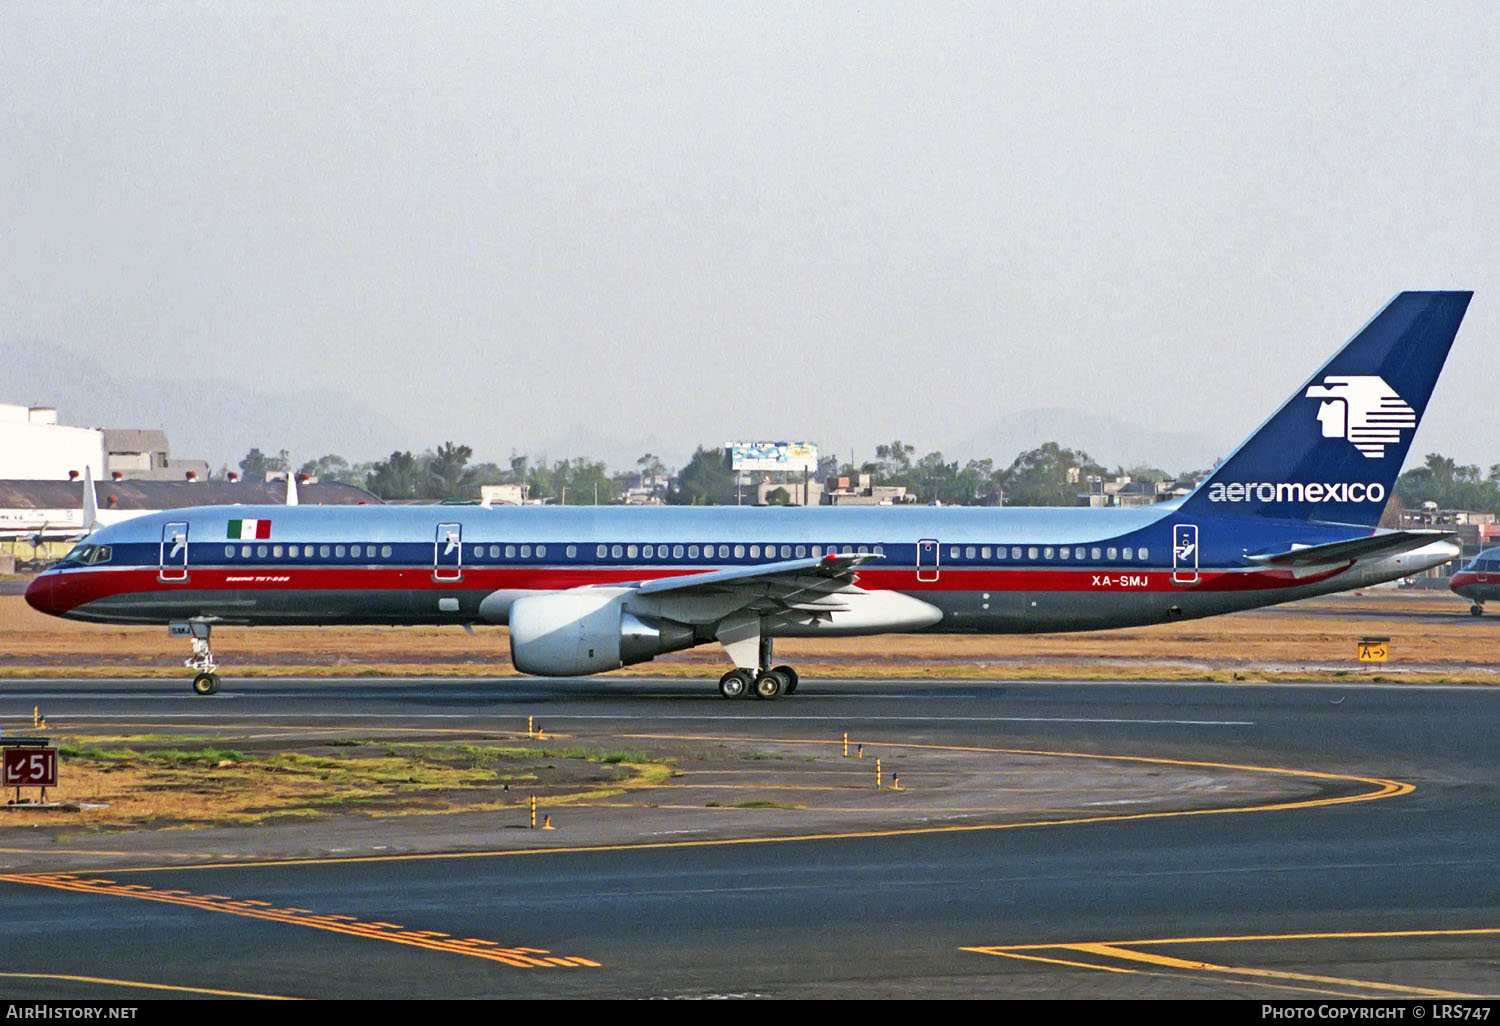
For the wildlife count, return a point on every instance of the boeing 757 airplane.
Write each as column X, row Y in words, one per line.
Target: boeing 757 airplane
column 1291, row 514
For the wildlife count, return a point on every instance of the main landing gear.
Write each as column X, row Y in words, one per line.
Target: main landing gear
column 207, row 681
column 765, row 681
column 772, row 682
column 1477, row 609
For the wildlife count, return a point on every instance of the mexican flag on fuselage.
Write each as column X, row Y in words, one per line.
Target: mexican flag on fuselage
column 258, row 529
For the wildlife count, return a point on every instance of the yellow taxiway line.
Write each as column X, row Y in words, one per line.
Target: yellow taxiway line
column 1129, row 952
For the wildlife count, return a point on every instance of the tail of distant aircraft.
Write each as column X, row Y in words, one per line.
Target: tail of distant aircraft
column 1333, row 451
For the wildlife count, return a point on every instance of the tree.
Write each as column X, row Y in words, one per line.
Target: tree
column 329, row 468
column 1049, row 476
column 446, row 476
column 707, row 480
column 256, row 464
column 397, row 477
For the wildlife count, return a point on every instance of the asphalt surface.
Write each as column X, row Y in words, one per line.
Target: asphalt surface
column 1326, row 889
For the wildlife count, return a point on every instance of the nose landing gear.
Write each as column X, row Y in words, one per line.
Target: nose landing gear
column 206, row 682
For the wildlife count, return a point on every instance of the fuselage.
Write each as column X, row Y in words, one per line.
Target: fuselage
column 984, row 570
column 1479, row 580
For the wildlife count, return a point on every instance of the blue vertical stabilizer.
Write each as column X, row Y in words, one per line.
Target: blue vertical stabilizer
column 1333, row 451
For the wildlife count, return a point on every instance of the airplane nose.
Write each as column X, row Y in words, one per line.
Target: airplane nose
column 41, row 594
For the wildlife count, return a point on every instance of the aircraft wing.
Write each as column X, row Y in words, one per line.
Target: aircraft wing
column 1386, row 543
column 807, row 586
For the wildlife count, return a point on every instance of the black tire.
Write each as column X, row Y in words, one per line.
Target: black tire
column 734, row 684
column 206, row 684
column 771, row 684
column 1476, row 610
column 791, row 679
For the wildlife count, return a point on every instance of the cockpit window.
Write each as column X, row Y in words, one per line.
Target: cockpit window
column 80, row 554
column 101, row 555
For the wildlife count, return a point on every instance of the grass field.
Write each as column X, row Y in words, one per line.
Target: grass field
column 1432, row 638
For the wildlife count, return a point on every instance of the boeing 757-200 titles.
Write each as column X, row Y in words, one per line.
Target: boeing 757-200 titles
column 1291, row 514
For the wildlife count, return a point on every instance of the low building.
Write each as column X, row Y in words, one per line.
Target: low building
column 860, row 490
column 34, row 446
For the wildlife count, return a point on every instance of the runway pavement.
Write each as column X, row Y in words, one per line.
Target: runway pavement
column 1274, row 841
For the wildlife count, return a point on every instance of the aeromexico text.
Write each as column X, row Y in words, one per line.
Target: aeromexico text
column 1297, row 491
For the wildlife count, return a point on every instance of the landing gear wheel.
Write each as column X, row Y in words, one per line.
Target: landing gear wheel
column 791, row 679
column 734, row 684
column 206, row 684
column 771, row 684
column 1476, row 610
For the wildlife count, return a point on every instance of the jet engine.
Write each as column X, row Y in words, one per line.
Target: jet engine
column 580, row 632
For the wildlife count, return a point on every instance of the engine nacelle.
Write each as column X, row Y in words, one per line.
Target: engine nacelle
column 581, row 632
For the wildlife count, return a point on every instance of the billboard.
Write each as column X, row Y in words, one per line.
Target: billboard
column 800, row 456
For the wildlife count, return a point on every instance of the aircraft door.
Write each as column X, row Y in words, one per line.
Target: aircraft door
column 927, row 559
column 448, row 553
column 174, row 553
column 1184, row 553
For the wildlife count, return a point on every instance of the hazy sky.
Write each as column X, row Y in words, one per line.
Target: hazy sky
column 684, row 223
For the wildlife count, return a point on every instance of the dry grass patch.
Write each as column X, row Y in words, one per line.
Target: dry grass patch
column 153, row 783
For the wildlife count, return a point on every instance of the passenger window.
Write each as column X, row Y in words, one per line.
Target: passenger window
column 708, row 552
column 229, row 552
column 1000, row 552
column 1031, row 552
column 479, row 552
column 338, row 551
column 600, row 552
column 525, row 551
column 510, row 552
column 292, row 550
column 801, row 551
column 1141, row 552
column 755, row 552
column 322, row 551
column 1047, row 552
column 984, row 552
column 676, row 551
column 276, row 551
column 1094, row 552
column 541, row 551
column 817, row 550
column 385, row 552
column 739, row 552
column 1109, row 553
column 1062, row 553
column 616, row 551
column 953, row 552
column 692, row 552
column 1127, row 553
column 1078, row 553
column 1015, row 552
column 260, row 551
column 969, row 552
column 356, row 551
column 630, row 551
column 572, row 551
column 880, row 550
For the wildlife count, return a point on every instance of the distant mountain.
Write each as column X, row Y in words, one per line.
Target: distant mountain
column 1108, row 440
column 213, row 419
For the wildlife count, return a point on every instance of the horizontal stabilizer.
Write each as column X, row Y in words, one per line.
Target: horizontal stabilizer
column 1387, row 543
